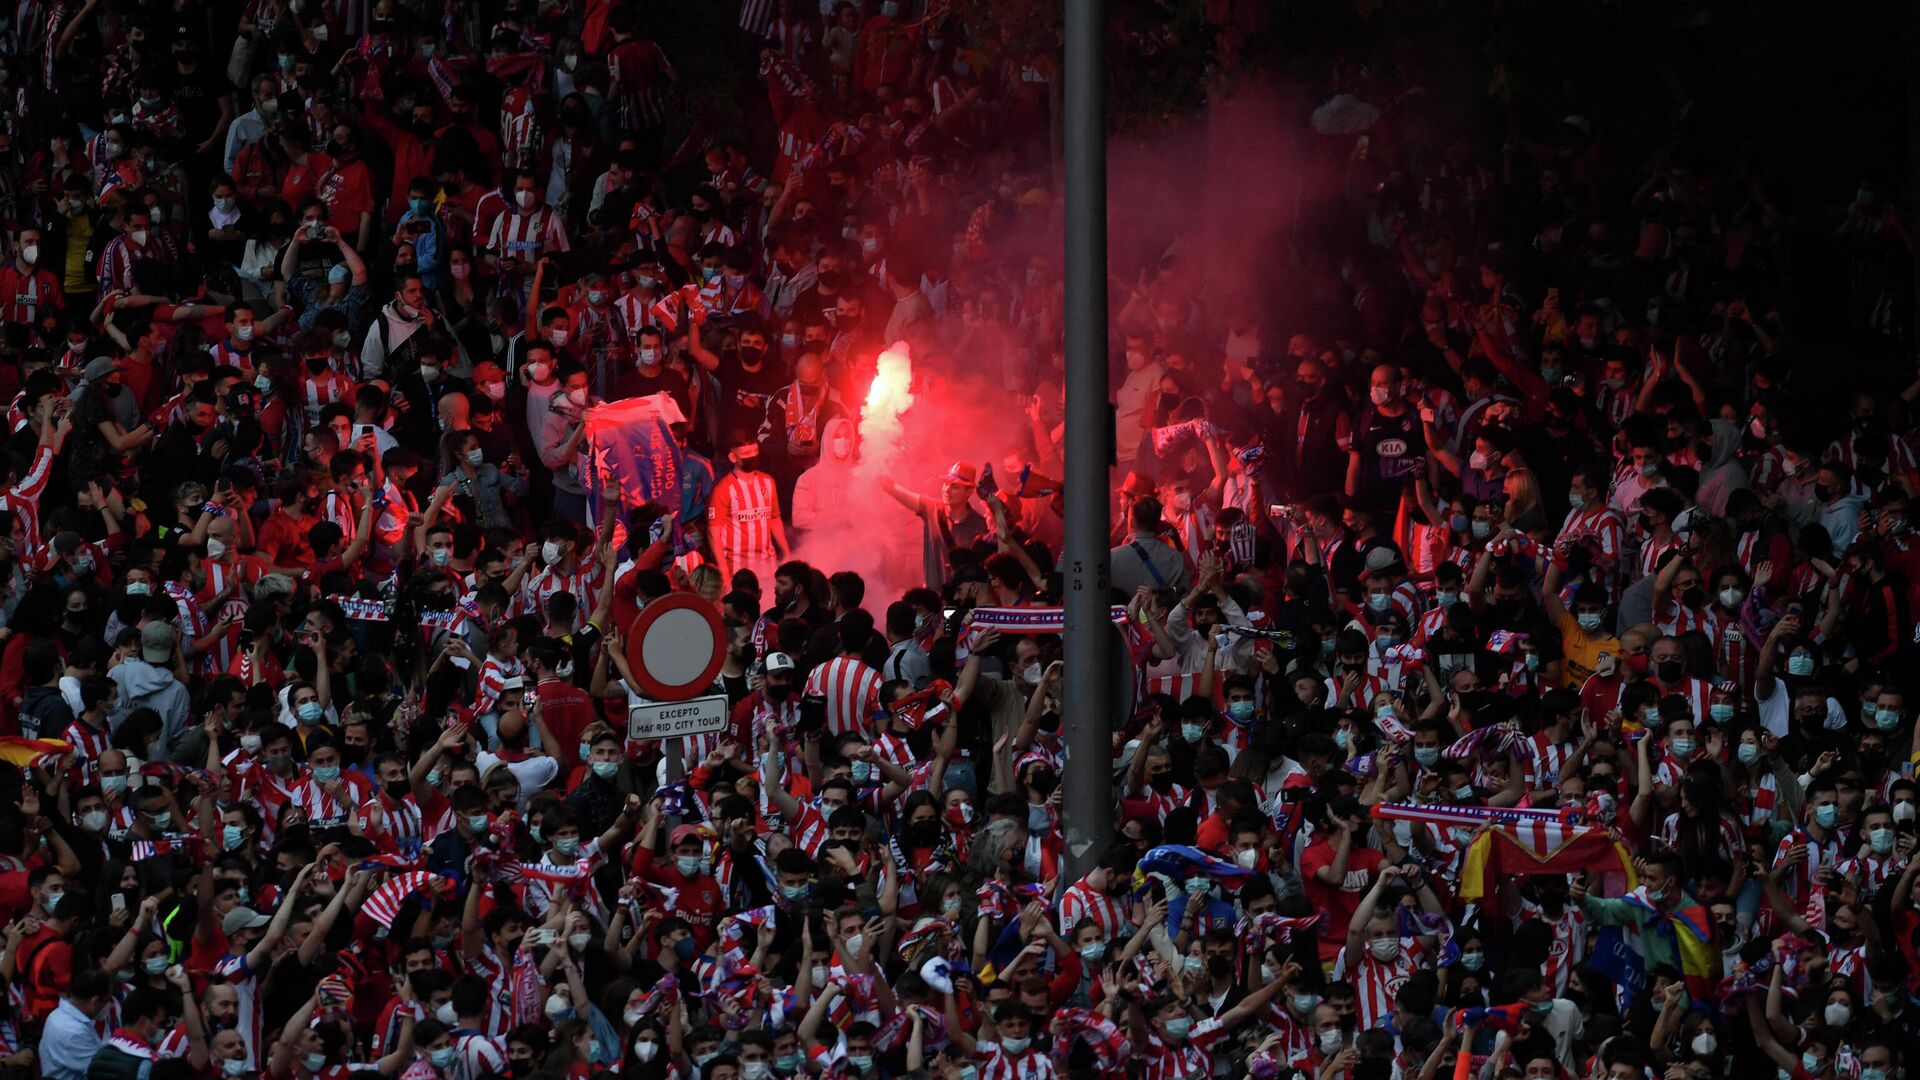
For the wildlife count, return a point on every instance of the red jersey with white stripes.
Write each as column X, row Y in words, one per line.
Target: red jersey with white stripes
column 1191, row 1057
column 23, row 295
column 852, row 690
column 22, row 500
column 1083, row 901
column 740, row 517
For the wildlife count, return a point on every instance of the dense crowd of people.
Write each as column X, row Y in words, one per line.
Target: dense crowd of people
column 1518, row 663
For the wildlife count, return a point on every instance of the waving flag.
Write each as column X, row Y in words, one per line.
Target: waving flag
column 23, row 753
column 1277, row 928
column 1534, row 846
column 1110, row 1046
column 385, row 903
column 923, row 707
column 1495, row 740
column 1182, row 860
column 1690, row 932
column 1505, row 1018
column 630, row 449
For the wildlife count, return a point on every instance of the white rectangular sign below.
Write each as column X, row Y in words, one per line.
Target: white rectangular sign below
column 670, row 719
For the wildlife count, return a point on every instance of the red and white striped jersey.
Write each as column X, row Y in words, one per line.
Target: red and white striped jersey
column 1899, row 454
column 88, row 744
column 527, row 235
column 319, row 391
column 23, row 295
column 740, row 516
column 322, row 809
column 1601, row 525
column 634, row 72
column 498, row 976
column 1651, row 552
column 1757, row 801
column 1674, row 619
column 1729, row 841
column 493, row 676
column 520, row 134
column 1869, row 872
column 476, row 1055
column 1083, row 901
column 246, row 987
column 1569, row 945
column 339, row 508
column 1799, row 883
column 1190, row 1058
column 22, row 500
column 997, row 1064
column 852, row 690
column 583, row 582
column 1698, row 692
column 399, row 819
column 1549, row 762
column 225, row 355
column 1376, row 981
column 635, row 310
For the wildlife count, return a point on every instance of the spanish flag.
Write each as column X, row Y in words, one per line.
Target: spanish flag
column 1540, row 847
column 25, row 753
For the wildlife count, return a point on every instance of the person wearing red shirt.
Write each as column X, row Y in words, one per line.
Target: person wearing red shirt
column 347, row 189
column 412, row 146
column 1338, row 869
column 282, row 538
column 564, row 709
column 686, row 870
column 27, row 287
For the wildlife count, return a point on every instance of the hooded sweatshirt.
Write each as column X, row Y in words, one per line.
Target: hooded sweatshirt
column 144, row 685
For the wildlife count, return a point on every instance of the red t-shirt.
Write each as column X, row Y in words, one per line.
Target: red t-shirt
column 1335, row 905
column 568, row 711
column 348, row 192
column 301, row 179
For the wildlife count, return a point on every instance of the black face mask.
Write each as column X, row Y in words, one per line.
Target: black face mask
column 352, row 755
column 1162, row 783
column 848, row 322
column 1044, row 783
column 317, row 365
column 398, row 789
column 778, row 691
column 752, row 354
column 924, row 833
column 1693, row 597
column 1670, row 671
column 829, row 279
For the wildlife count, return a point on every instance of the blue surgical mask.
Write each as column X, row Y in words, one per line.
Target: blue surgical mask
column 155, row 965
column 1341, row 738
column 606, row 770
column 314, row 1061
column 684, row 949
column 1748, row 753
column 1473, row 961
column 1192, row 732
column 1826, row 814
column 232, row 836
column 1093, row 951
column 1682, row 748
column 1589, row 620
column 1178, row 1027
column 1800, row 664
column 1240, row 711
column 310, row 712
column 420, row 206
column 860, row 771
column 1016, row 1046
column 1446, row 597
column 688, row 865
column 567, row 846
column 1379, row 601
column 1887, row 719
column 1482, row 529
column 1426, row 755
column 1881, row 840
column 861, row 1063
column 477, row 822
column 326, row 774
column 1720, row 711
column 442, row 1057
column 794, row 892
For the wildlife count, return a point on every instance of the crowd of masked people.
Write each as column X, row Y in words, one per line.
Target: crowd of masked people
column 1522, row 527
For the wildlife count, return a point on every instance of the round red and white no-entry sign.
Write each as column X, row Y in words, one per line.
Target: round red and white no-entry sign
column 675, row 647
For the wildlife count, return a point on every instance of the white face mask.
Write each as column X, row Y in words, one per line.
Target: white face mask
column 1384, row 948
column 559, row 338
column 1247, row 859
column 550, row 552
column 30, row 253
column 243, row 333
column 475, row 456
column 646, row 1051
column 139, row 237
column 525, row 199
column 539, row 371
column 1704, row 1044
column 216, row 547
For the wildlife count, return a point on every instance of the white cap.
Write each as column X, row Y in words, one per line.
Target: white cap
column 779, row 662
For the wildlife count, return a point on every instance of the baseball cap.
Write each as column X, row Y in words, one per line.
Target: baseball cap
column 65, row 543
column 1382, row 557
column 777, row 662
column 99, row 368
column 683, row 833
column 156, row 642
column 963, row 473
column 242, row 918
